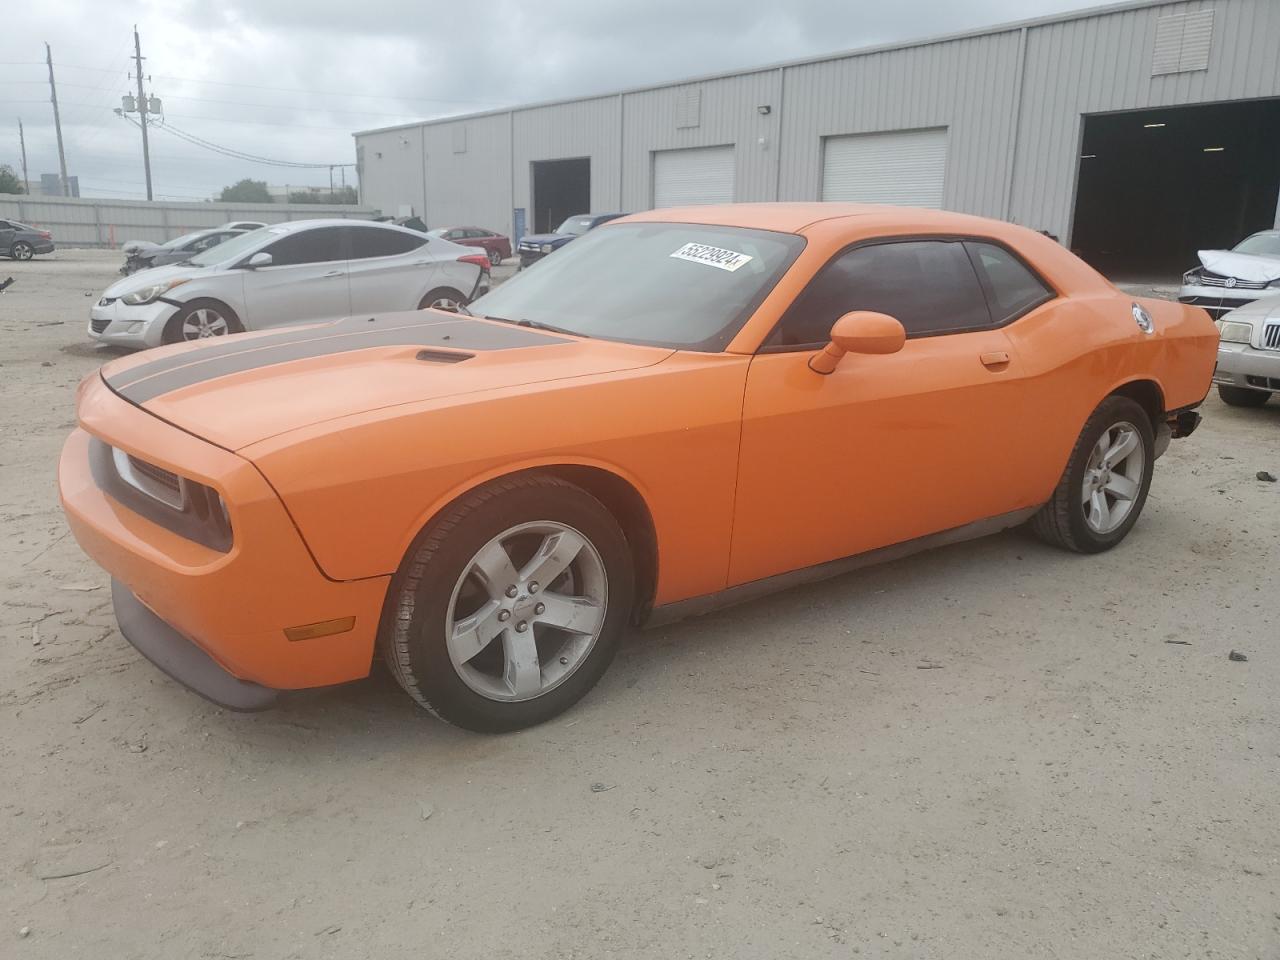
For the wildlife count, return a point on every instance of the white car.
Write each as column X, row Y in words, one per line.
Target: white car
column 1227, row 279
column 1248, row 369
column 295, row 272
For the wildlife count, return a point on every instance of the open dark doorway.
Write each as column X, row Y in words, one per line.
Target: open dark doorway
column 561, row 188
column 1155, row 186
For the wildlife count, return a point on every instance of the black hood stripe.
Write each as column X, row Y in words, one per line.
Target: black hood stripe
column 222, row 360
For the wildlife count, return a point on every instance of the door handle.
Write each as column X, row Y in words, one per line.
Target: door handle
column 995, row 359
column 335, row 273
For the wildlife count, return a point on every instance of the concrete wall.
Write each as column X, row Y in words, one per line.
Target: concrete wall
column 1012, row 100
column 109, row 223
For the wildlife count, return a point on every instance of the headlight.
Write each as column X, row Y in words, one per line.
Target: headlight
column 547, row 248
column 150, row 293
column 1191, row 277
column 1235, row 331
column 1274, row 284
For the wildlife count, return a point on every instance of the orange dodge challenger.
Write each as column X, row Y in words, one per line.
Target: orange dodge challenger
column 683, row 409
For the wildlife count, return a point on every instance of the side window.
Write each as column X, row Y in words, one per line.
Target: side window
column 1011, row 286
column 307, row 246
column 929, row 285
column 369, row 242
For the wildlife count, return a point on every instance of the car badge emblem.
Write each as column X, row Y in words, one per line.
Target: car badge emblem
column 1231, row 281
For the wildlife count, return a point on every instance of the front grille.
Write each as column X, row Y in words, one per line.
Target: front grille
column 1265, row 383
column 159, row 474
column 1271, row 336
column 1218, row 280
column 98, row 324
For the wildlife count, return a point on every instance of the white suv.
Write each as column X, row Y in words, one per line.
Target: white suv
column 295, row 272
column 1248, row 369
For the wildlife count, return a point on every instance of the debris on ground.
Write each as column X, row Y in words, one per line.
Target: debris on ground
column 426, row 810
column 24, row 932
column 1237, row 656
column 602, row 787
column 1181, row 643
column 1266, row 477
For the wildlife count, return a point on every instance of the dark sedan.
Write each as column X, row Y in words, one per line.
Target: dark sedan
column 533, row 248
column 495, row 245
column 143, row 256
column 21, row 242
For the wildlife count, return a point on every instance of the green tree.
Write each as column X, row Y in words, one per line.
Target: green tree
column 340, row 195
column 9, row 182
column 246, row 191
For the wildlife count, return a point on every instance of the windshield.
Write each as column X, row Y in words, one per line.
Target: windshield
column 575, row 225
column 235, row 247
column 682, row 285
column 179, row 241
column 1260, row 245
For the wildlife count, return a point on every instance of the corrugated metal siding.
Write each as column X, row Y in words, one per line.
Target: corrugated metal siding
column 1103, row 64
column 584, row 128
column 471, row 186
column 729, row 114
column 86, row 222
column 391, row 174
column 967, row 86
column 1011, row 101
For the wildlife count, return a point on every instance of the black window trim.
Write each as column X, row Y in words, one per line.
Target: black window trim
column 962, row 238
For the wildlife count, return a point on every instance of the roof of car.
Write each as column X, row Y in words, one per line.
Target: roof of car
column 794, row 217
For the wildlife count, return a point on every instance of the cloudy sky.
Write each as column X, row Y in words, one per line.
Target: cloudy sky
column 291, row 79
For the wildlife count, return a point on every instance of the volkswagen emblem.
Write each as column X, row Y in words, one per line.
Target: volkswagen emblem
column 1231, row 281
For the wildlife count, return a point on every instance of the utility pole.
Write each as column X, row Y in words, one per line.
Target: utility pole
column 331, row 184
column 57, row 121
column 142, row 108
column 26, row 182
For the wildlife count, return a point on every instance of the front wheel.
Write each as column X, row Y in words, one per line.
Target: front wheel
column 1243, row 396
column 510, row 606
column 22, row 250
column 201, row 320
column 495, row 257
column 1103, row 489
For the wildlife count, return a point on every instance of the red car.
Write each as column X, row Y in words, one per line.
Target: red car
column 495, row 245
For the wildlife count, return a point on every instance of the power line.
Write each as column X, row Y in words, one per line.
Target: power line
column 238, row 154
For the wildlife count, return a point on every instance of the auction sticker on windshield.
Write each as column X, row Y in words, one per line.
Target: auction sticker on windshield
column 712, row 256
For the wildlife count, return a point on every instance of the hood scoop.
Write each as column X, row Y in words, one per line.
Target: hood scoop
column 443, row 356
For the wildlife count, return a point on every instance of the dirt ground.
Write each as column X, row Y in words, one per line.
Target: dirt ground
column 995, row 750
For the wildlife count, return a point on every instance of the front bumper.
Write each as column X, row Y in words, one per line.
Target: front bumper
column 123, row 325
column 528, row 257
column 1240, row 365
column 1219, row 300
column 234, row 605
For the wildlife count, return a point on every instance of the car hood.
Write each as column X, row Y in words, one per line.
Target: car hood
column 546, row 237
column 1263, row 308
column 250, row 387
column 155, row 275
column 1242, row 266
column 140, row 246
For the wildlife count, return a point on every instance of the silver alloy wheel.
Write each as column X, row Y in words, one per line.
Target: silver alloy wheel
column 23, row 250
column 495, row 257
column 204, row 322
column 526, row 611
column 1113, row 477
column 446, row 303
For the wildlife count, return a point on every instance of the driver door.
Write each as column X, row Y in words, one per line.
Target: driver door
column 307, row 280
column 886, row 448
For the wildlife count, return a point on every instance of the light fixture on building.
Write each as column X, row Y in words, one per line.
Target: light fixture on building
column 1214, row 149
column 1088, row 156
column 1153, row 126
column 764, row 109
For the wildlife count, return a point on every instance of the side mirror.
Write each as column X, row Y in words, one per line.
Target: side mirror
column 260, row 259
column 859, row 332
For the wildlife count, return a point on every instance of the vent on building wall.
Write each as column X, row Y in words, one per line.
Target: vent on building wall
column 1182, row 43
column 459, row 139
column 689, row 108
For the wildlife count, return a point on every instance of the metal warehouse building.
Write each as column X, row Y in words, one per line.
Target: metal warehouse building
column 1137, row 132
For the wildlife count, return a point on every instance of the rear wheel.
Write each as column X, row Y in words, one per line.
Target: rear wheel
column 1243, row 396
column 446, row 298
column 1103, row 490
column 201, row 320
column 22, row 250
column 495, row 257
column 508, row 608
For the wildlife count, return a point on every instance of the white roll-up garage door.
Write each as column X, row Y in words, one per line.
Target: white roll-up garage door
column 904, row 167
column 697, row 175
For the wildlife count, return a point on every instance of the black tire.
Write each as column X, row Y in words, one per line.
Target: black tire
column 495, row 257
column 22, row 251
column 443, row 293
column 1062, row 521
column 173, row 330
column 1243, row 396
column 413, row 633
